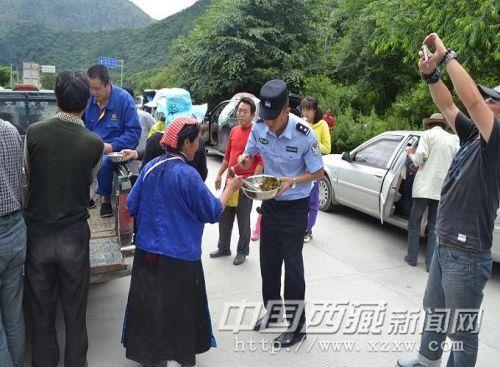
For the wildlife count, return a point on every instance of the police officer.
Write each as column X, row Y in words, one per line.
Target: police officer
column 290, row 151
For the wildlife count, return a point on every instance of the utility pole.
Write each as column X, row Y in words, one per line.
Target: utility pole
column 121, row 75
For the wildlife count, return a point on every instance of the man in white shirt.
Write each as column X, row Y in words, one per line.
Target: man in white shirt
column 433, row 157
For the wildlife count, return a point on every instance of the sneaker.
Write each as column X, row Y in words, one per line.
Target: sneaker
column 239, row 259
column 308, row 237
column 92, row 204
column 417, row 361
column 255, row 235
column 106, row 210
column 408, row 362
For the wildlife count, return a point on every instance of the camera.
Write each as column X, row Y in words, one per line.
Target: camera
column 426, row 52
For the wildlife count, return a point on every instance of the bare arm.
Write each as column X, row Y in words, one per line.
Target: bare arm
column 439, row 91
column 444, row 102
column 310, row 177
column 468, row 93
column 286, row 182
column 218, row 178
column 222, row 167
column 464, row 86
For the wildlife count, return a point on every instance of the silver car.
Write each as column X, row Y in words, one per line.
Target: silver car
column 372, row 179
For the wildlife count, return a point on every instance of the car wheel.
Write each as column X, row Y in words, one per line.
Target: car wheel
column 326, row 196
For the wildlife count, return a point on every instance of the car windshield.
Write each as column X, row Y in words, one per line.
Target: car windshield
column 227, row 113
column 22, row 111
column 379, row 152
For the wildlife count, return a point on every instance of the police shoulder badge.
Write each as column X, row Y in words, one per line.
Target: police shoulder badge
column 303, row 129
column 316, row 149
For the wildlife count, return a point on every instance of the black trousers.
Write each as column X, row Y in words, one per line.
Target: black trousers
column 242, row 213
column 58, row 266
column 283, row 228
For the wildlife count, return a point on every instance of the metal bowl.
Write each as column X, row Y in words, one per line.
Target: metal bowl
column 116, row 157
column 258, row 195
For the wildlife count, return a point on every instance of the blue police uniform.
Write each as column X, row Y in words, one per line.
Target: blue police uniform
column 291, row 154
column 284, row 219
column 118, row 125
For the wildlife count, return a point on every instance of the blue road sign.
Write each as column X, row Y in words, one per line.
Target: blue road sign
column 109, row 62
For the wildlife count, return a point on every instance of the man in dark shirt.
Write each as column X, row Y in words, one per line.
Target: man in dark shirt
column 61, row 159
column 462, row 262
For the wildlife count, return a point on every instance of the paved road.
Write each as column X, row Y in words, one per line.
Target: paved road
column 352, row 260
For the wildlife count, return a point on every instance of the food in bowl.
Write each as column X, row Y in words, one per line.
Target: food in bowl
column 255, row 187
column 270, row 183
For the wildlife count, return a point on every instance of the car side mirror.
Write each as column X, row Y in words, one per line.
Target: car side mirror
column 346, row 156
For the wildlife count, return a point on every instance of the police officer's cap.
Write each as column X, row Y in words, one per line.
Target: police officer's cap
column 273, row 97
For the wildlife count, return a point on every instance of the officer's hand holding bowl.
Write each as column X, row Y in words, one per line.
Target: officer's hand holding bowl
column 286, row 183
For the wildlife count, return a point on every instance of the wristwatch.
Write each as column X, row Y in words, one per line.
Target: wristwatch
column 450, row 55
column 294, row 183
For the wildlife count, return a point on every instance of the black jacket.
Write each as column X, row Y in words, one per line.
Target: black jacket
column 154, row 149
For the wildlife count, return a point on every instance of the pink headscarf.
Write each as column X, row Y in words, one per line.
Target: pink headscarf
column 171, row 135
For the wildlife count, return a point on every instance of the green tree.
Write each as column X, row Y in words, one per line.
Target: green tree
column 238, row 45
column 48, row 81
column 5, row 76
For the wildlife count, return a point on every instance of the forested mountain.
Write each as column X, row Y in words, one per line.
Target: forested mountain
column 142, row 49
column 75, row 15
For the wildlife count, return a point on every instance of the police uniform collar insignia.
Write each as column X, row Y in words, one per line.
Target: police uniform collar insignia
column 263, row 141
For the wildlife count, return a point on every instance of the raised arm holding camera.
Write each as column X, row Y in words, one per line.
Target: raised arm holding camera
column 462, row 262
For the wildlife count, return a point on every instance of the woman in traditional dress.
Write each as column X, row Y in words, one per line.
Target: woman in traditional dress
column 167, row 317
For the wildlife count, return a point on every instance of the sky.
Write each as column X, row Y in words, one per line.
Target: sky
column 159, row 9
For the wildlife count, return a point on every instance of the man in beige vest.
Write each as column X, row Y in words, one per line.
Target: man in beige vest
column 433, row 157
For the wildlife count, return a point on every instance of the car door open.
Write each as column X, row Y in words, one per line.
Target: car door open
column 360, row 179
column 393, row 178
